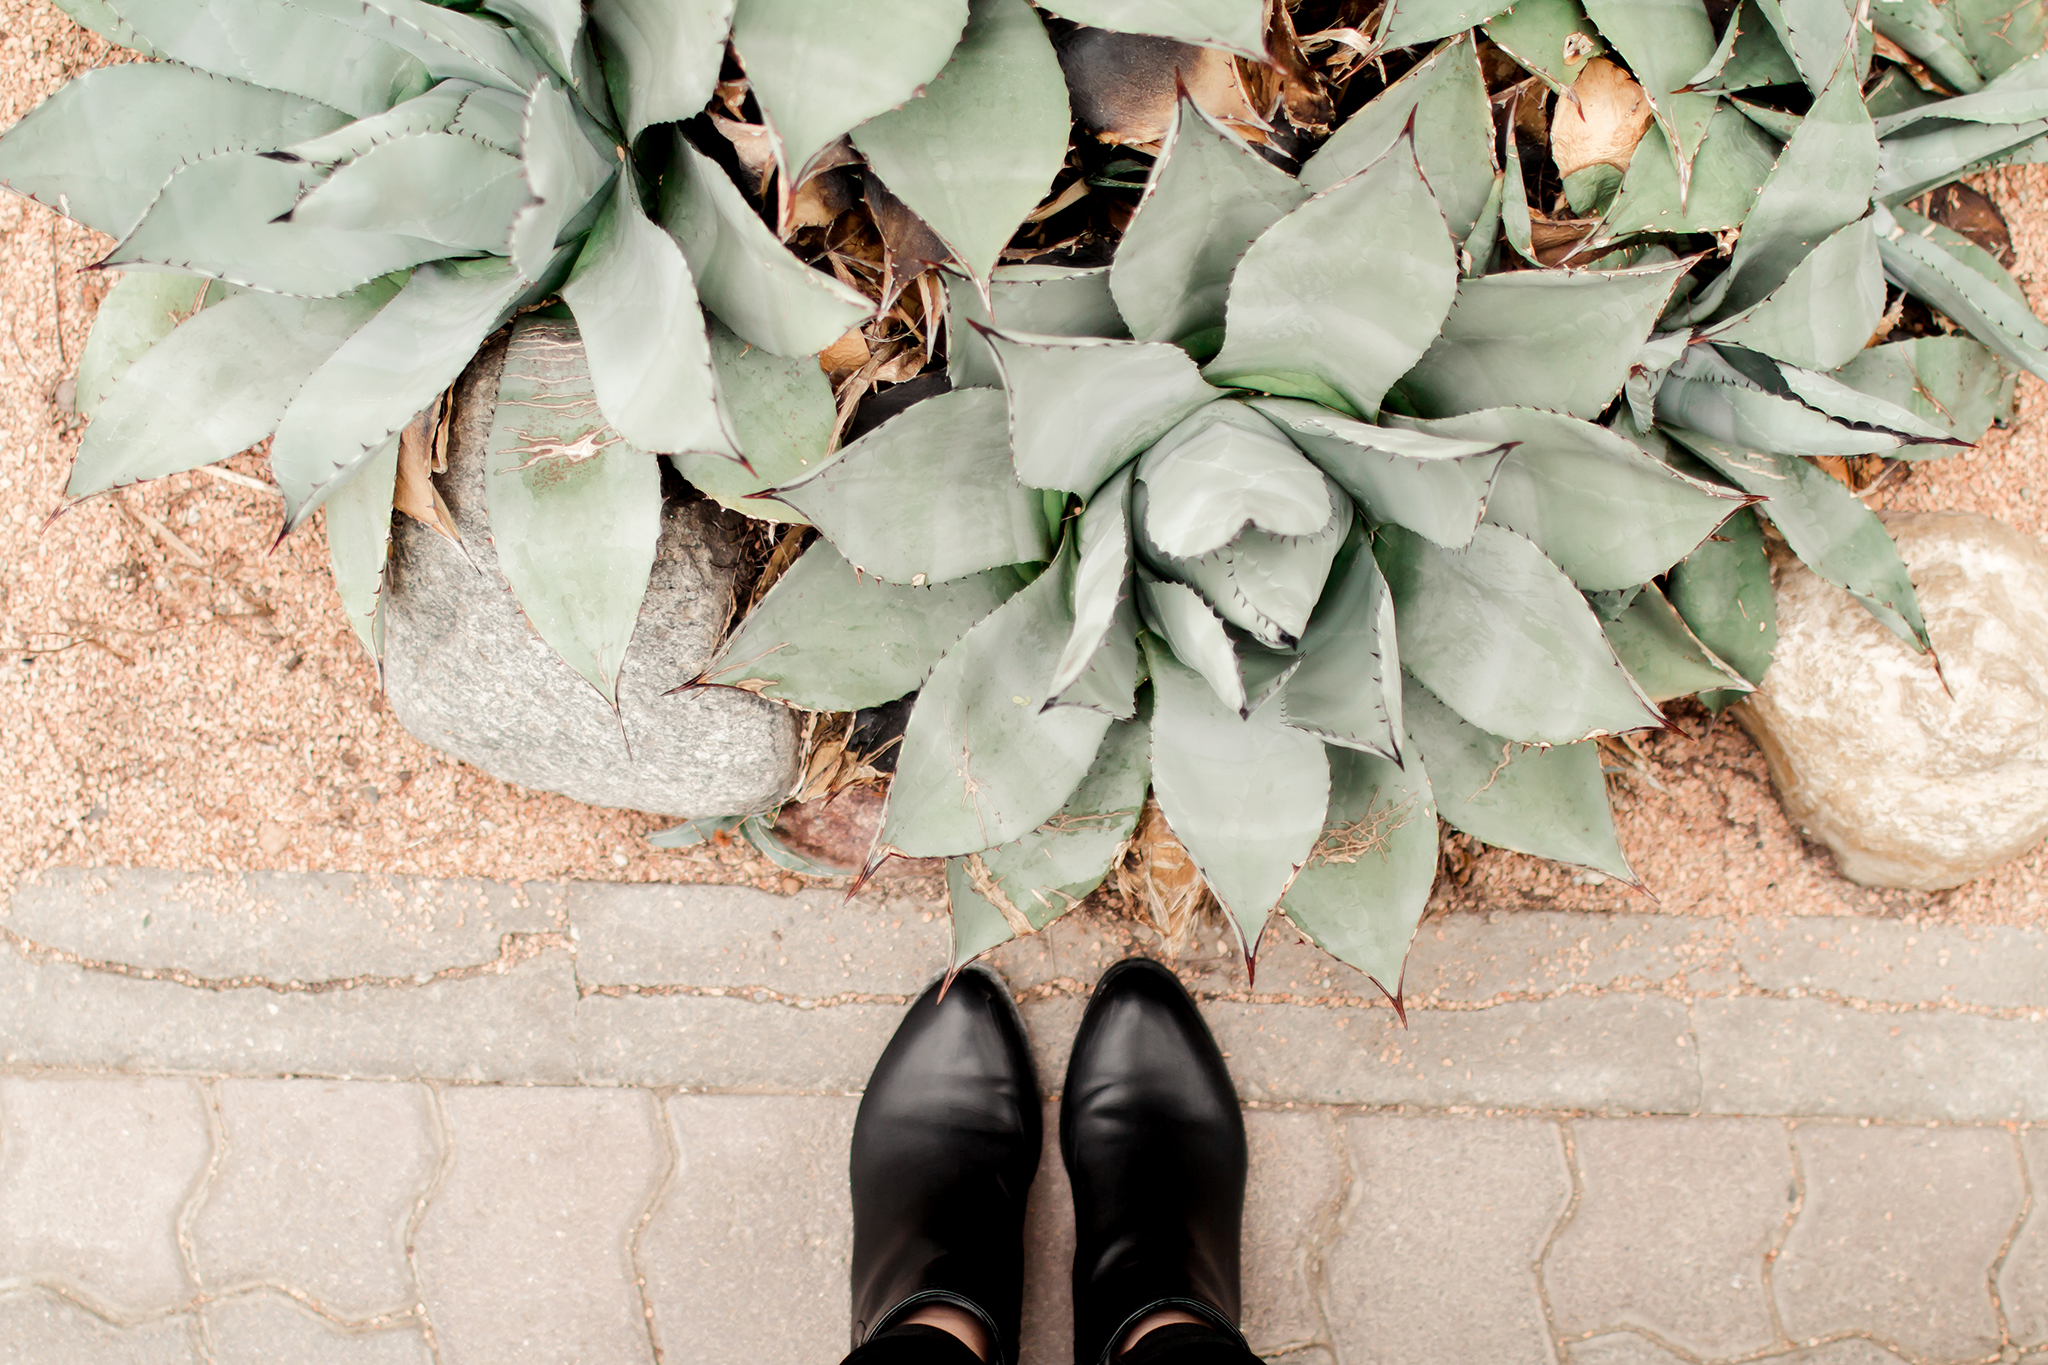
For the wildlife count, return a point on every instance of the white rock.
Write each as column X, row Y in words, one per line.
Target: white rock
column 1911, row 785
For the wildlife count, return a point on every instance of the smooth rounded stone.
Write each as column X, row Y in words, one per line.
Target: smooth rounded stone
column 466, row 674
column 1907, row 784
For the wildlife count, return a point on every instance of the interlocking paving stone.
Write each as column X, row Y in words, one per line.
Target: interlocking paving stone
column 1481, row 1195
column 1897, row 1236
column 1291, row 1205
column 314, row 1188
column 93, row 1176
column 809, row 945
column 1472, row 957
column 2023, row 1280
column 1048, row 1333
column 2001, row 966
column 310, row 926
column 523, row 1254
column 1626, row 1348
column 1674, row 1219
column 514, row 1026
column 38, row 1328
column 750, row 1246
column 727, row 1043
column 1810, row 1057
column 266, row 1328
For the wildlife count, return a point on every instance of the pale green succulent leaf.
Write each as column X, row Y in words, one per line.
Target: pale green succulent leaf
column 1665, row 42
column 1220, row 470
column 1102, row 580
column 566, row 173
column 1349, row 289
column 99, row 16
column 1662, row 655
column 447, row 42
column 649, row 353
column 1425, row 21
column 1728, row 172
column 1052, row 301
column 1246, row 795
column 928, row 496
column 1109, row 683
column 1365, row 886
column 442, row 187
column 1927, row 31
column 1081, row 408
column 280, row 47
column 575, row 509
column 1818, row 33
column 1428, row 483
column 1500, row 632
column 1826, row 525
column 781, row 412
column 1598, row 507
column 1912, row 163
column 1743, row 415
column 1723, row 590
column 1952, row 382
column 1264, row 584
column 748, row 277
column 1043, row 875
column 1541, row 338
column 662, row 57
column 434, row 111
column 977, row 150
column 138, row 312
column 983, row 761
column 1826, row 309
column 384, row 374
column 100, row 149
column 2001, row 33
column 818, row 76
column 358, row 543
column 550, row 27
column 828, row 638
column 1237, row 25
column 2018, row 95
column 1539, row 35
column 215, row 386
column 1550, row 803
column 1829, row 394
column 1196, row 635
column 1209, row 198
column 1757, row 57
column 1775, row 123
column 1346, row 690
column 1954, row 278
column 1445, row 96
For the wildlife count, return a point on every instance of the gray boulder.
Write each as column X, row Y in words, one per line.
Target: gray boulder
column 1908, row 784
column 466, row 674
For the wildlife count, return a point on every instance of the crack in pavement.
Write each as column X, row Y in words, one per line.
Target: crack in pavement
column 513, row 948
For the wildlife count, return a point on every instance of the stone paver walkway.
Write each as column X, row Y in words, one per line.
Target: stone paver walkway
column 366, row 1120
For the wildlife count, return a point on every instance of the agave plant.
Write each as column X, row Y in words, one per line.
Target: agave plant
column 1337, row 503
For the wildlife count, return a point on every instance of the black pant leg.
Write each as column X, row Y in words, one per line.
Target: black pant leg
column 1187, row 1343
column 913, row 1344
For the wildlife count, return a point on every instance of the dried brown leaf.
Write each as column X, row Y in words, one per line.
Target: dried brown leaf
column 1124, row 85
column 1158, row 877
column 415, row 494
column 754, row 145
column 1608, row 116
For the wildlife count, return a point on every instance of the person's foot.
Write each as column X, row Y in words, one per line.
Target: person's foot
column 1154, row 1145
column 944, row 1149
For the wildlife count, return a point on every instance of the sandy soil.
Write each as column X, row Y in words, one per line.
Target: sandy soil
column 174, row 695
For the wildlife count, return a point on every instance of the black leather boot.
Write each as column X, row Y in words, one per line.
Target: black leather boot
column 1154, row 1144
column 944, row 1149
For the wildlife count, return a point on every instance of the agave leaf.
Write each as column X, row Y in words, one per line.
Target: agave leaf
column 1818, row 34
column 443, row 187
column 1365, row 886
column 550, row 27
column 1266, row 585
column 782, row 413
column 979, row 147
column 566, row 173
column 1445, row 97
column 649, row 355
column 1957, row 277
column 1728, row 172
column 1236, row 25
column 215, row 386
column 818, row 77
column 1081, row 408
column 1336, row 300
column 1826, row 525
column 1109, row 684
column 280, row 47
column 358, row 541
column 1194, row 632
column 1599, row 508
column 1222, row 469
column 1425, row 21
column 1426, row 482
column 1775, row 123
column 1246, row 795
column 1501, row 632
column 98, row 16
column 1666, row 42
column 1551, row 803
column 827, row 638
column 1541, row 338
column 219, row 217
column 384, row 374
column 435, row 111
column 1666, row 659
column 1926, row 31
column 928, row 496
column 1758, row 58
column 1745, row 416
column 2001, row 33
column 749, row 278
column 1539, row 35
column 1209, row 198
column 1952, row 382
column 983, row 761
column 1912, row 163
column 1102, row 580
column 1826, row 309
column 138, row 312
column 1822, row 183
column 1053, row 301
column 447, row 42
column 496, row 118
column 1723, row 590
column 1022, row 886
column 99, row 150
column 1346, row 689
column 2018, row 95
column 661, row 56
column 1851, row 404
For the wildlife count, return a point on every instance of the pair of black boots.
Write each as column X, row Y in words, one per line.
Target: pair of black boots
column 947, row 1142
